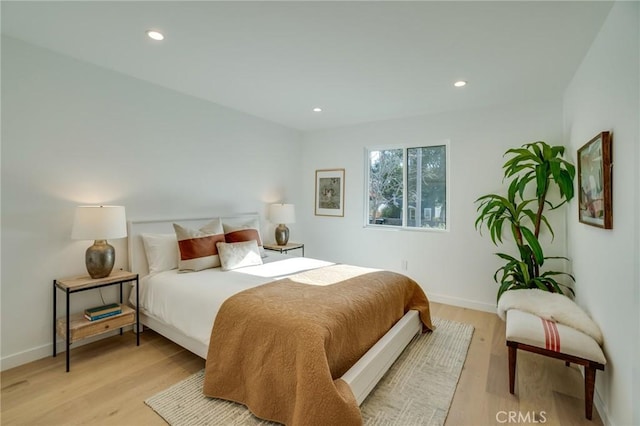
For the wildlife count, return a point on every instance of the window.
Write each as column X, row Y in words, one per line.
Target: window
column 415, row 177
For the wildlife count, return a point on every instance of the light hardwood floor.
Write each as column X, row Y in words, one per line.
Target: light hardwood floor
column 110, row 379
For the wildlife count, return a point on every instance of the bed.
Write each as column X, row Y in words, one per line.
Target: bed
column 184, row 306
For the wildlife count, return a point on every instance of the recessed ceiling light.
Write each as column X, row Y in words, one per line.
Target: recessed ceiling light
column 460, row 83
column 317, row 109
column 155, row 35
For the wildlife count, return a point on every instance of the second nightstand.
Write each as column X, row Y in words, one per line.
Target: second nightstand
column 285, row 248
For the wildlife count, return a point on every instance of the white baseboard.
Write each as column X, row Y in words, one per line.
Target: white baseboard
column 463, row 303
column 45, row 351
column 24, row 357
column 601, row 407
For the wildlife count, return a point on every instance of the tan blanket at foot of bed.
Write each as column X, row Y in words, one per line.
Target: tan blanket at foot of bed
column 281, row 348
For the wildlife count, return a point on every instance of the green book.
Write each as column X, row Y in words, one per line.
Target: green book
column 102, row 309
column 108, row 314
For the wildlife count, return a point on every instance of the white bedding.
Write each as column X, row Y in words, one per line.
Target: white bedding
column 190, row 301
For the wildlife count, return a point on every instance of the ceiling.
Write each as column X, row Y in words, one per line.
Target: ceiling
column 360, row 61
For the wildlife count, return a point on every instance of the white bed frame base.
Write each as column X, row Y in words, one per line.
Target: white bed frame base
column 367, row 372
column 173, row 334
column 361, row 377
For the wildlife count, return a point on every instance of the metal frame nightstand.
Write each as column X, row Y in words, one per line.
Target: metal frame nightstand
column 85, row 328
column 285, row 248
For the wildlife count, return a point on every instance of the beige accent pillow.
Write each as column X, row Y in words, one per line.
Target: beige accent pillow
column 239, row 228
column 197, row 248
column 239, row 255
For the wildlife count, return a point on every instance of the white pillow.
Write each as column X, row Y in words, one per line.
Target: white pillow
column 239, row 255
column 197, row 248
column 161, row 251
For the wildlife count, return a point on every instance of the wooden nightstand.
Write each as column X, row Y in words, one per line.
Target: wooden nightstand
column 77, row 327
column 285, row 248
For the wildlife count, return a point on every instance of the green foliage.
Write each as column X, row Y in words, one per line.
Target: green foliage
column 538, row 166
column 391, row 211
column 385, row 180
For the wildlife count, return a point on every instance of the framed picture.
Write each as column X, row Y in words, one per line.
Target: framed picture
column 330, row 192
column 594, row 182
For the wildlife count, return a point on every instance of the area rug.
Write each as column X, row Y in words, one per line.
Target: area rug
column 417, row 389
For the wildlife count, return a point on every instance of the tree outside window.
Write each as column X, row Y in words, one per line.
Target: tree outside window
column 423, row 190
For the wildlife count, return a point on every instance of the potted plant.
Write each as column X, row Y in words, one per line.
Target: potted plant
column 532, row 170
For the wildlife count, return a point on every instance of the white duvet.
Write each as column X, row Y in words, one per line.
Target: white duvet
column 190, row 301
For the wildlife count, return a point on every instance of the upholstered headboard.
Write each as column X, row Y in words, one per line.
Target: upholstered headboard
column 135, row 228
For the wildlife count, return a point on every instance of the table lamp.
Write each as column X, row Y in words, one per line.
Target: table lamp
column 99, row 223
column 282, row 214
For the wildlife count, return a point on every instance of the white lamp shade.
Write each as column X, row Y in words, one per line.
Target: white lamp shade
column 282, row 213
column 99, row 223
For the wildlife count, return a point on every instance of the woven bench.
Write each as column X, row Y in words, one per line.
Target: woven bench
column 528, row 332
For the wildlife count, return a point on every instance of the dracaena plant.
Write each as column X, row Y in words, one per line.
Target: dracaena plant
column 532, row 170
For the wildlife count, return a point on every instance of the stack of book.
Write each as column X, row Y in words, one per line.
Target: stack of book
column 104, row 311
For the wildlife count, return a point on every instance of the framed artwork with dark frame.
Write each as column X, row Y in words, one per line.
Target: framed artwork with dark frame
column 594, row 182
column 329, row 192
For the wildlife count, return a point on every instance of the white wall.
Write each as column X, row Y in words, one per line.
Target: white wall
column 603, row 95
column 455, row 267
column 74, row 133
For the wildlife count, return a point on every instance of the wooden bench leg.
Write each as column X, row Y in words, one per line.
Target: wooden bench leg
column 590, row 368
column 512, row 368
column 589, row 384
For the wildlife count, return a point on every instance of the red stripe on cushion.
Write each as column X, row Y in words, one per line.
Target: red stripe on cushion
column 551, row 335
column 243, row 235
column 547, row 334
column 556, row 333
column 195, row 248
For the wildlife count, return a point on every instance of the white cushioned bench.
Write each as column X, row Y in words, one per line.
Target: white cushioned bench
column 536, row 321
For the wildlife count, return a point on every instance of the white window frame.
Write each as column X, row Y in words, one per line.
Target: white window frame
column 405, row 210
